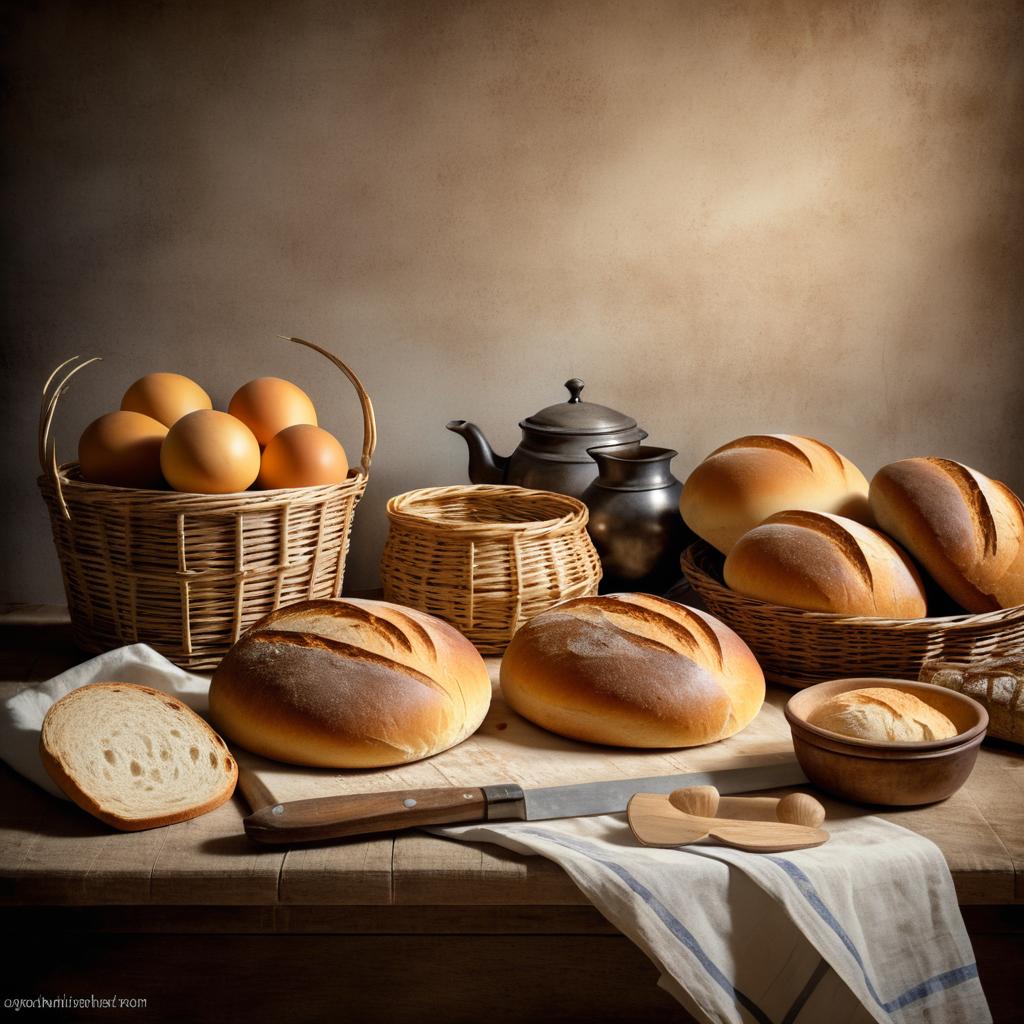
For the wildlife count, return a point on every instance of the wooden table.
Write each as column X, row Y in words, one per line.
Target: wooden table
column 205, row 925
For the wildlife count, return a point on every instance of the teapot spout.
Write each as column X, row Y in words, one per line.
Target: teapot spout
column 484, row 466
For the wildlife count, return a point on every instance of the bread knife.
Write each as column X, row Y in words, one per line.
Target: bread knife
column 334, row 817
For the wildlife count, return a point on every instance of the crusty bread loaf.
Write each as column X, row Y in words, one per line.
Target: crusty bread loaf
column 883, row 714
column 135, row 757
column 965, row 529
column 632, row 670
column 350, row 684
column 825, row 563
column 997, row 684
column 744, row 482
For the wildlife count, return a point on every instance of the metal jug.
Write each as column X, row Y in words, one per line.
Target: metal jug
column 634, row 518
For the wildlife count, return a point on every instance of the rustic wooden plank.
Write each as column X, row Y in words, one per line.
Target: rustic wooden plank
column 997, row 789
column 981, row 869
column 209, row 860
column 980, row 829
column 54, row 867
column 431, row 870
column 347, row 872
column 357, row 872
column 311, row 919
column 53, row 852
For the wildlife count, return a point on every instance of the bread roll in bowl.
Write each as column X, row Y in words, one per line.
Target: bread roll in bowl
column 745, row 481
column 349, row 683
column 884, row 715
column 965, row 529
column 632, row 670
column 825, row 563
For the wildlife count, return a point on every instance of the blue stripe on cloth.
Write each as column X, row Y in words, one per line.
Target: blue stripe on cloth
column 947, row 979
column 674, row 925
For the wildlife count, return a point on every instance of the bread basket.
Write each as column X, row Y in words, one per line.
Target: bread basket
column 188, row 573
column 486, row 558
column 798, row 648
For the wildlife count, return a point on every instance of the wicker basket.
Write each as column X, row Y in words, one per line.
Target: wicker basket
column 798, row 648
column 487, row 558
column 188, row 573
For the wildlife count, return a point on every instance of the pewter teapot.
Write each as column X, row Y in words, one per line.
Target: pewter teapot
column 553, row 453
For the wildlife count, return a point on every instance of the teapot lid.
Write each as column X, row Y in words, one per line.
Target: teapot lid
column 577, row 416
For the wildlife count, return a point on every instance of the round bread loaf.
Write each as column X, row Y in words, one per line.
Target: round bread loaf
column 745, row 481
column 350, row 684
column 884, row 715
column 632, row 670
column 825, row 563
column 965, row 529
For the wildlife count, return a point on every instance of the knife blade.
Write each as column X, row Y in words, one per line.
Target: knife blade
column 334, row 817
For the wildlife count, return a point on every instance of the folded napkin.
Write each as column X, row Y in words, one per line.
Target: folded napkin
column 21, row 716
column 866, row 927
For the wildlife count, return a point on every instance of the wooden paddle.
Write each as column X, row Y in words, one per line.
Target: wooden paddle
column 688, row 815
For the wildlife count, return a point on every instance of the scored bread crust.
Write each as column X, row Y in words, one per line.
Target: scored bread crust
column 742, row 483
column 883, row 714
column 632, row 670
column 825, row 563
column 350, row 683
column 964, row 528
column 54, row 761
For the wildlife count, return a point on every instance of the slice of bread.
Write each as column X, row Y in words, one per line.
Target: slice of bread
column 135, row 757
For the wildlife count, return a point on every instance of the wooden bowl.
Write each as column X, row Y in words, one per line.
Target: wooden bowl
column 888, row 774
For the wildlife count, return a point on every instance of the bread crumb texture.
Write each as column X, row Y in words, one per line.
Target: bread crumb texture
column 135, row 753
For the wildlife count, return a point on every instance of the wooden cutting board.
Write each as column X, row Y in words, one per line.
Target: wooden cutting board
column 507, row 748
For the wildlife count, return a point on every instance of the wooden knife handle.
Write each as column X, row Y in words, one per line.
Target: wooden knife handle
column 331, row 817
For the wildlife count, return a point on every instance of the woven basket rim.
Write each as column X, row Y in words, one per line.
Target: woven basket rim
column 399, row 511
column 693, row 563
column 157, row 496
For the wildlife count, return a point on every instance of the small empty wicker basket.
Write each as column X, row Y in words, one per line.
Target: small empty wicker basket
column 487, row 558
column 188, row 573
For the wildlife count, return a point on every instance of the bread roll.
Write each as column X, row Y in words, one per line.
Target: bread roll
column 632, row 670
column 825, row 563
column 350, row 684
column 742, row 483
column 135, row 757
column 965, row 529
column 882, row 714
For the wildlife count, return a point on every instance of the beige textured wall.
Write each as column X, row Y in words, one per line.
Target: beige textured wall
column 725, row 216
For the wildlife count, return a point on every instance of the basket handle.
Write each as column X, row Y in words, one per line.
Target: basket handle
column 369, row 422
column 53, row 391
column 57, row 384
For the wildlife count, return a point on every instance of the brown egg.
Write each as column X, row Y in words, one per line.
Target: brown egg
column 123, row 449
column 268, row 404
column 166, row 397
column 302, row 456
column 210, row 452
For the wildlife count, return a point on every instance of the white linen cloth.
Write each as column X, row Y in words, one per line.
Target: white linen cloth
column 21, row 716
column 866, row 927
